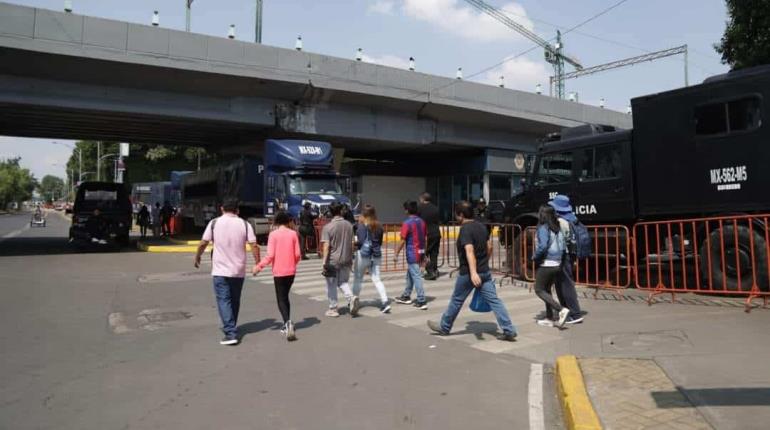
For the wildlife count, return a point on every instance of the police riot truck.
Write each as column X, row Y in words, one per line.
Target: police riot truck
column 693, row 152
column 292, row 173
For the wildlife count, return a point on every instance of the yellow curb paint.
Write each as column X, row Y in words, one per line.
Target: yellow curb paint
column 173, row 248
column 579, row 413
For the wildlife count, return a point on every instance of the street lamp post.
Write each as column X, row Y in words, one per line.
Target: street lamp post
column 99, row 165
column 258, row 23
column 80, row 158
column 188, row 4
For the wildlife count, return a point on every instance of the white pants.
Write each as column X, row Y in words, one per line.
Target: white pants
column 373, row 264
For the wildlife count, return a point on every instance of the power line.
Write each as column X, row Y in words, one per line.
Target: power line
column 513, row 57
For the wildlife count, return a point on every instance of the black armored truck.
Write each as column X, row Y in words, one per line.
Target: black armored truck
column 693, row 153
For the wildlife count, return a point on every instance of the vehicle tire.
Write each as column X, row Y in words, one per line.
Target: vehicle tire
column 727, row 279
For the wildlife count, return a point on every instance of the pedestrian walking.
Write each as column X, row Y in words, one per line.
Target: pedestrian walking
column 155, row 215
column 565, row 282
column 413, row 238
column 474, row 247
column 283, row 254
column 369, row 255
column 230, row 234
column 429, row 213
column 306, row 228
column 143, row 220
column 549, row 254
column 166, row 213
column 337, row 243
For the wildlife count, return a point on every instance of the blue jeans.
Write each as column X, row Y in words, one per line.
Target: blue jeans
column 414, row 280
column 463, row 287
column 228, row 293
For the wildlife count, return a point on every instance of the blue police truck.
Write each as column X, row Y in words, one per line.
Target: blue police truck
column 291, row 173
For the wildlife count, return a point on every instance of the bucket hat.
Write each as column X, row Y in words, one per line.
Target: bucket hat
column 560, row 203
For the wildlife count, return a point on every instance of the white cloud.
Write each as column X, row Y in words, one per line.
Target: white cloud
column 387, row 60
column 455, row 17
column 521, row 74
column 385, row 7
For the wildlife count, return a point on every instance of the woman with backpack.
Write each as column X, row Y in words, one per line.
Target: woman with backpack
column 549, row 253
column 283, row 254
column 368, row 243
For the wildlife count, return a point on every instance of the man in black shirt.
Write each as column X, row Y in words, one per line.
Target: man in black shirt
column 473, row 249
column 430, row 215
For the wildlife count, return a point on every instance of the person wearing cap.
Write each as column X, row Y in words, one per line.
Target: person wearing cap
column 565, row 282
column 306, row 229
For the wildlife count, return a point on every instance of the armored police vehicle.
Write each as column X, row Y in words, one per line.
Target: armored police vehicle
column 693, row 152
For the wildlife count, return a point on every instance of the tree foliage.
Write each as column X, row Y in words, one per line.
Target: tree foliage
column 16, row 183
column 746, row 41
column 51, row 187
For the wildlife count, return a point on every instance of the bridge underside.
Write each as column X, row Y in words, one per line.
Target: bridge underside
column 66, row 97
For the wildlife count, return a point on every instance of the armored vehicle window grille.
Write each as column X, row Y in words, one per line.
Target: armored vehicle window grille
column 728, row 116
column 555, row 168
column 201, row 190
column 601, row 163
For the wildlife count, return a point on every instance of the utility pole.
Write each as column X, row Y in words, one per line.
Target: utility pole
column 686, row 74
column 258, row 23
column 188, row 5
column 98, row 161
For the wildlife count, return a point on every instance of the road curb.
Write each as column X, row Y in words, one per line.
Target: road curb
column 166, row 248
column 579, row 413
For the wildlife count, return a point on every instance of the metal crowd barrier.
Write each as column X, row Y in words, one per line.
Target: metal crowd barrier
column 608, row 266
column 727, row 255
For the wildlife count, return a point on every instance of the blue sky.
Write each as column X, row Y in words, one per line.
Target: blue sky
column 443, row 35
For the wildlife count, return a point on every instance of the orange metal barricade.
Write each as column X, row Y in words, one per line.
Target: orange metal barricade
column 728, row 255
column 506, row 250
column 608, row 266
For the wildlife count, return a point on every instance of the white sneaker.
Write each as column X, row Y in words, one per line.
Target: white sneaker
column 94, row 240
column 332, row 312
column 355, row 305
column 545, row 322
column 563, row 314
column 290, row 331
column 102, row 242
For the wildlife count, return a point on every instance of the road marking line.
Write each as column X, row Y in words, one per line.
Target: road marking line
column 15, row 233
column 536, row 417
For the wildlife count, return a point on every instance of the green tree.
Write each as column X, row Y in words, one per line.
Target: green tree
column 16, row 183
column 51, row 187
column 746, row 41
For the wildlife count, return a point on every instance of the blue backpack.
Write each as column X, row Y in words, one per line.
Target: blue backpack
column 581, row 243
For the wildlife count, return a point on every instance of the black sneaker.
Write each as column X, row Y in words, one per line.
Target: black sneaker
column 433, row 325
column 228, row 340
column 385, row 308
column 507, row 337
column 404, row 300
column 423, row 306
column 574, row 320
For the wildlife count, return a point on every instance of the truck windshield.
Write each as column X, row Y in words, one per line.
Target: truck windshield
column 310, row 185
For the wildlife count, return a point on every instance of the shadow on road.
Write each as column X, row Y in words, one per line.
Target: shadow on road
column 273, row 324
column 754, row 396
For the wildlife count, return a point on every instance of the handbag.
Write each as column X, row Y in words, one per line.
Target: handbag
column 329, row 271
column 366, row 247
column 478, row 304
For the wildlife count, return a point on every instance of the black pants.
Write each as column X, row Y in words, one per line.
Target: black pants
column 282, row 286
column 545, row 278
column 565, row 290
column 166, row 227
column 431, row 250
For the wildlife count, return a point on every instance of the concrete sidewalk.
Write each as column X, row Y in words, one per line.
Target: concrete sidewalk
column 700, row 362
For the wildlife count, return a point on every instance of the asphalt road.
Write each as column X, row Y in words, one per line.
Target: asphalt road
column 129, row 340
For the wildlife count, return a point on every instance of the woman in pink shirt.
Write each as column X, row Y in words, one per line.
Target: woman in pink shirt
column 284, row 254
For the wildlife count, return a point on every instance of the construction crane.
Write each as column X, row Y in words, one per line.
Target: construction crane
column 626, row 62
column 554, row 54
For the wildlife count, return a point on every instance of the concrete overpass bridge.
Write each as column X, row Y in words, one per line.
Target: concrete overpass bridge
column 64, row 75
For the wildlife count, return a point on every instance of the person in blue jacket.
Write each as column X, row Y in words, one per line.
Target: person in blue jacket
column 549, row 253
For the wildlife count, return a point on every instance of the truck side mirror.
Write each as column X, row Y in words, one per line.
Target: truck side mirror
column 271, row 184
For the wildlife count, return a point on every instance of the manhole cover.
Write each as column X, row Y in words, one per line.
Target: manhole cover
column 653, row 341
column 157, row 315
column 172, row 277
